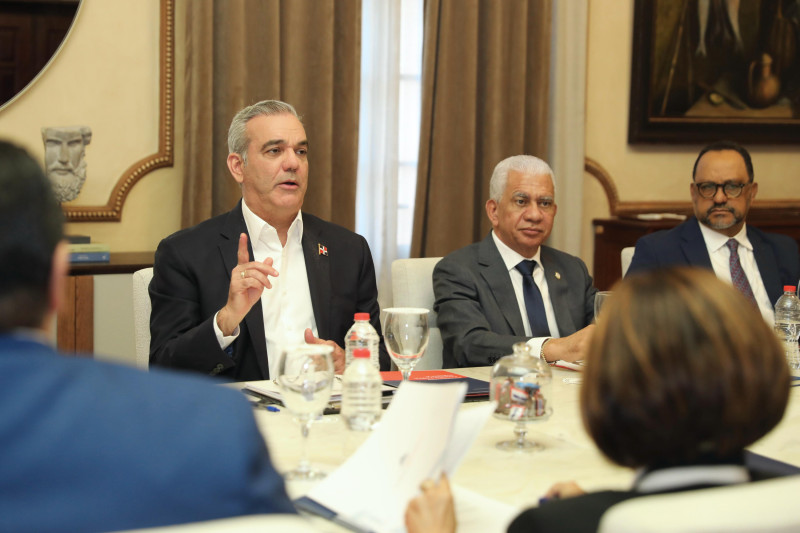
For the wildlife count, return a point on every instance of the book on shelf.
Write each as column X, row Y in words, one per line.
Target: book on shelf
column 78, row 239
column 88, row 247
column 90, row 257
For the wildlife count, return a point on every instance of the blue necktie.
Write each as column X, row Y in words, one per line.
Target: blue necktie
column 534, row 305
column 737, row 273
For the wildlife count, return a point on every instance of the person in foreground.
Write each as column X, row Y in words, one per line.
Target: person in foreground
column 230, row 294
column 510, row 288
column 92, row 446
column 757, row 263
column 681, row 376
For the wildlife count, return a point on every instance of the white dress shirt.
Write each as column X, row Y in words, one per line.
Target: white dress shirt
column 511, row 260
column 286, row 306
column 720, row 256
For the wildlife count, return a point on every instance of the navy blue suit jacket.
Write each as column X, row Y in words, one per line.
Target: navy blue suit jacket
column 92, row 446
column 477, row 308
column 776, row 255
column 192, row 274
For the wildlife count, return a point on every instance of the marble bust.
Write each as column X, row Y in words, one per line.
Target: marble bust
column 64, row 152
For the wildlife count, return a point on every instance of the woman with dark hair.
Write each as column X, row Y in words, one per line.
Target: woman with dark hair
column 682, row 374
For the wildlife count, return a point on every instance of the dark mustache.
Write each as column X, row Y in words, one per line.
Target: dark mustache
column 725, row 207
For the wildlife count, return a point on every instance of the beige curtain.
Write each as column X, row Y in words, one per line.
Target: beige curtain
column 304, row 52
column 485, row 97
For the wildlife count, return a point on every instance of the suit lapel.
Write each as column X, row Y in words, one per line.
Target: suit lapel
column 767, row 266
column 693, row 244
column 496, row 275
column 558, row 288
column 318, row 270
column 229, row 249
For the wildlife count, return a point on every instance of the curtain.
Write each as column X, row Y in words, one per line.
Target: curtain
column 378, row 133
column 304, row 52
column 485, row 97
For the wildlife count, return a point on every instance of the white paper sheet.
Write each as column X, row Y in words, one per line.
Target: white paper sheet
column 415, row 440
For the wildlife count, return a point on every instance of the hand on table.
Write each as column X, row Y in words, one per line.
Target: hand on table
column 248, row 281
column 564, row 489
column 432, row 511
column 337, row 355
column 571, row 348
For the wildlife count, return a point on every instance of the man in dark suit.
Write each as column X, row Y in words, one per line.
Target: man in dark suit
column 487, row 301
column 231, row 293
column 717, row 237
column 92, row 446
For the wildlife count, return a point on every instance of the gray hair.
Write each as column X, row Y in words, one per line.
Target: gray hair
column 237, row 133
column 526, row 164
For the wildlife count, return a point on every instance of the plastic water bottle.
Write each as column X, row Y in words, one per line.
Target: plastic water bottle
column 787, row 324
column 361, row 392
column 362, row 335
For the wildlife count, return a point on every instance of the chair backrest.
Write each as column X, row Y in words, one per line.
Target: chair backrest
column 763, row 507
column 141, row 316
column 412, row 286
column 626, row 256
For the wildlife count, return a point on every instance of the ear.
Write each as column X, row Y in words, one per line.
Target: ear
column 236, row 166
column 753, row 191
column 58, row 278
column 491, row 211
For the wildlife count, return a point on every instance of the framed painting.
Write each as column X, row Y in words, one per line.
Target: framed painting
column 711, row 69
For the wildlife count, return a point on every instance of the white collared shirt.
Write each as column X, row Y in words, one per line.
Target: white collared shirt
column 511, row 259
column 286, row 307
column 720, row 256
column 686, row 476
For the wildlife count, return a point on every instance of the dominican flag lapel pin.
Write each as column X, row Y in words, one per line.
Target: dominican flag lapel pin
column 323, row 250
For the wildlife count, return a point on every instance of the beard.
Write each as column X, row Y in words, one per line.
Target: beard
column 719, row 224
column 67, row 182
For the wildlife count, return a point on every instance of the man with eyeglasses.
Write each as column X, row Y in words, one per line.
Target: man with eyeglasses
column 758, row 264
column 509, row 287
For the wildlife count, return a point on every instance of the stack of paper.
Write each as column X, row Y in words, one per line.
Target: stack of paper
column 413, row 442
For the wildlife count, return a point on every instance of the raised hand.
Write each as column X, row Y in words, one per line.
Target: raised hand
column 248, row 281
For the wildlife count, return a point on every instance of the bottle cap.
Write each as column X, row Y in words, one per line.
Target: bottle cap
column 361, row 316
column 361, row 352
column 789, row 288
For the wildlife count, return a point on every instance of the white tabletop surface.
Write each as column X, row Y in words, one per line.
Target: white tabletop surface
column 515, row 478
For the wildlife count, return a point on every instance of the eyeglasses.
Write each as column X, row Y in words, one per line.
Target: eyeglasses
column 709, row 189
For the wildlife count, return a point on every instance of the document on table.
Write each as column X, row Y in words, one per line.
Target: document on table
column 421, row 434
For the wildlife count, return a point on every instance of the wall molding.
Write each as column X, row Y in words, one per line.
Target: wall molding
column 112, row 210
column 762, row 210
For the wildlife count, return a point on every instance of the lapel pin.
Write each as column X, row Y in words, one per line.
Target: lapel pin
column 323, row 250
column 558, row 275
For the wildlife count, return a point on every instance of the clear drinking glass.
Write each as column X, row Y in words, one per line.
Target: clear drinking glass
column 521, row 386
column 406, row 336
column 305, row 377
column 599, row 299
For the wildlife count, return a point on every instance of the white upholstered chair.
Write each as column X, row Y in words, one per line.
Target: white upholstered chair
column 760, row 507
column 626, row 256
column 141, row 316
column 412, row 286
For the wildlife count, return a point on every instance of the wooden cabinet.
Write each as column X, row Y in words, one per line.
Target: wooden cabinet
column 75, row 330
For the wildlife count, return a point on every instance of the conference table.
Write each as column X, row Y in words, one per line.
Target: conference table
column 518, row 479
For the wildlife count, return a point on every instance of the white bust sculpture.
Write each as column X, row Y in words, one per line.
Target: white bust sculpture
column 64, row 150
